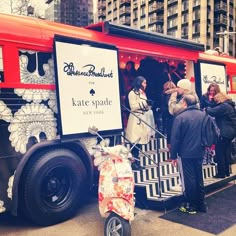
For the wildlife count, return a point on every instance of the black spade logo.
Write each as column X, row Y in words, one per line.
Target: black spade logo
column 92, row 92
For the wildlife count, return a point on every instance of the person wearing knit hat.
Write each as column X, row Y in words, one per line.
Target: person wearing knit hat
column 188, row 153
column 176, row 102
column 184, row 86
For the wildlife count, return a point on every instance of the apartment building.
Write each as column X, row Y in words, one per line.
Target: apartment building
column 211, row 22
column 71, row 12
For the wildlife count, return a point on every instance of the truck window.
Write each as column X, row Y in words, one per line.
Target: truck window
column 36, row 67
column 234, row 82
column 1, row 66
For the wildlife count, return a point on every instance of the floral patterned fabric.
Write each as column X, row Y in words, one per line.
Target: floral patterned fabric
column 209, row 155
column 116, row 188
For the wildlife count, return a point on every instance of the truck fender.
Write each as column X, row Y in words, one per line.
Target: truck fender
column 39, row 149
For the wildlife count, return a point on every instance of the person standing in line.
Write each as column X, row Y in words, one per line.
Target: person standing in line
column 207, row 100
column 175, row 105
column 225, row 117
column 127, row 76
column 168, row 88
column 178, row 73
column 138, row 132
column 184, row 86
column 186, row 145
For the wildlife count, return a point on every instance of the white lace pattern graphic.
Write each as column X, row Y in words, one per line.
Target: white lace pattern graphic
column 29, row 121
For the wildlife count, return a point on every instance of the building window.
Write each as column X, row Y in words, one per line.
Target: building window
column 159, row 28
column 185, row 5
column 231, row 22
column 155, row 28
column 125, row 20
column 231, row 10
column 209, row 42
column 172, row 10
column 110, row 7
column 184, row 18
column 115, row 13
column 135, row 24
column 152, row 28
column 172, row 23
column 142, row 22
column 196, row 28
column 234, row 82
column 196, row 14
column 142, row 11
column 172, row 33
column 185, row 31
column 196, row 39
column 196, row 3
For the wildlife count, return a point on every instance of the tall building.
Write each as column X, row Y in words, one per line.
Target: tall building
column 71, row 12
column 197, row 20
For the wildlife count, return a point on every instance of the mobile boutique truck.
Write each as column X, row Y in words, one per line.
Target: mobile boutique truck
column 56, row 81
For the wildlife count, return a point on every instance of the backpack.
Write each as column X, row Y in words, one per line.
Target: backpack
column 210, row 132
column 232, row 117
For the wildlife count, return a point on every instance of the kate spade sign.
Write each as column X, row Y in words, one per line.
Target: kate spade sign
column 87, row 87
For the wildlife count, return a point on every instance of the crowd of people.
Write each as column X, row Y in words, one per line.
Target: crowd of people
column 182, row 115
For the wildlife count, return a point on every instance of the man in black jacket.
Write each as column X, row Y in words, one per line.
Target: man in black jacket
column 186, row 145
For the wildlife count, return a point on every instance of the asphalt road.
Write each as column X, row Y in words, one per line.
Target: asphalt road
column 88, row 222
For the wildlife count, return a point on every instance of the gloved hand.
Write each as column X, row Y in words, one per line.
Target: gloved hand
column 150, row 102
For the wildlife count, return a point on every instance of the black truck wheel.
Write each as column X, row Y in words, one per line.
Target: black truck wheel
column 53, row 186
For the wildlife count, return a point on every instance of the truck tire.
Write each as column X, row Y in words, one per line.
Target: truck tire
column 53, row 187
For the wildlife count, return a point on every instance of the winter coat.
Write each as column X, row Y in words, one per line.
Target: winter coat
column 136, row 129
column 167, row 118
column 164, row 104
column 175, row 105
column 225, row 117
column 205, row 102
column 186, row 134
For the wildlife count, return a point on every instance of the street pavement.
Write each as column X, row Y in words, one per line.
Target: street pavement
column 88, row 222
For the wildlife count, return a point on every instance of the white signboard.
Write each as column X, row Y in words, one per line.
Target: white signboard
column 213, row 73
column 88, row 88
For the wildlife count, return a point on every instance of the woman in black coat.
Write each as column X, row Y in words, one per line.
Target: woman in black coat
column 207, row 100
column 225, row 116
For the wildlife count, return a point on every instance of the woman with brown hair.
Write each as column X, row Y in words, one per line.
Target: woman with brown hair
column 207, row 100
column 168, row 88
column 225, row 116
